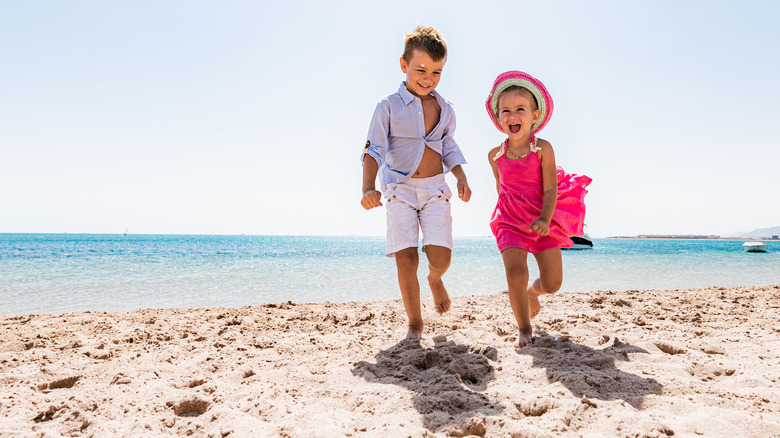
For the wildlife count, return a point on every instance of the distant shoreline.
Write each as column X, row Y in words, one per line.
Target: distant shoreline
column 641, row 236
column 692, row 237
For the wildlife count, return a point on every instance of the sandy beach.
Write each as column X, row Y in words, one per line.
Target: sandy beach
column 703, row 362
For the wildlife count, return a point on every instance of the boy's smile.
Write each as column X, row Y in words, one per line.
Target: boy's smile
column 422, row 73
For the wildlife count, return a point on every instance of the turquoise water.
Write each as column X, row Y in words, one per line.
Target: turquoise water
column 57, row 273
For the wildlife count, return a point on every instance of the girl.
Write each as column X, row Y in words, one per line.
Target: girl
column 539, row 205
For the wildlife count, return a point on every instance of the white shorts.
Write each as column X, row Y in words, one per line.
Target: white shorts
column 418, row 203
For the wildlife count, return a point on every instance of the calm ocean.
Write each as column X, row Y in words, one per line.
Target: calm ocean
column 58, row 273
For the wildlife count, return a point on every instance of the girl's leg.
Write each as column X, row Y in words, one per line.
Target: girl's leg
column 406, row 261
column 550, row 278
column 516, row 268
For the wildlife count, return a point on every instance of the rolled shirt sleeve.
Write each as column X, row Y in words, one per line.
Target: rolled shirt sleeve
column 378, row 134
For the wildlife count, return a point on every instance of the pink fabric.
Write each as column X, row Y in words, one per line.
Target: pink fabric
column 520, row 203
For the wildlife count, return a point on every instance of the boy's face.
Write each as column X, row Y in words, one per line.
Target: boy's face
column 422, row 73
column 516, row 113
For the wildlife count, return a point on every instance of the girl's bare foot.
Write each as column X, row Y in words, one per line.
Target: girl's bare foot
column 441, row 299
column 415, row 332
column 523, row 339
column 533, row 305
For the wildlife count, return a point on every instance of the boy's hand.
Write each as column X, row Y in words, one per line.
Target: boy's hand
column 540, row 227
column 464, row 191
column 371, row 198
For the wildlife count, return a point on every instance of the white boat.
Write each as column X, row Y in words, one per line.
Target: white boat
column 581, row 242
column 754, row 246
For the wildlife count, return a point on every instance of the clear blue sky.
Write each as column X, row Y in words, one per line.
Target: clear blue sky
column 195, row 117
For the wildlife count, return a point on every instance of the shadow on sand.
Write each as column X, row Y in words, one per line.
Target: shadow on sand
column 445, row 379
column 591, row 373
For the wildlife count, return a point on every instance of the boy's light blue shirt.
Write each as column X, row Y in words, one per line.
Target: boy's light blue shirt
column 397, row 140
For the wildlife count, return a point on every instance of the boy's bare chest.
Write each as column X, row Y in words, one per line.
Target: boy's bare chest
column 431, row 114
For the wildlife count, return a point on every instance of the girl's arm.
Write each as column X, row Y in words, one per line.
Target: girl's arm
column 549, row 187
column 492, row 162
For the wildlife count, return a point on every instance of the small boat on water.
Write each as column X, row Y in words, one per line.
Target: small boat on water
column 581, row 242
column 754, row 246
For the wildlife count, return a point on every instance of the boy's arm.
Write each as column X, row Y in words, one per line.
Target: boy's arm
column 373, row 154
column 451, row 155
column 371, row 197
column 378, row 135
column 464, row 191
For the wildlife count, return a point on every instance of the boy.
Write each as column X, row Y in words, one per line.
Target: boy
column 410, row 139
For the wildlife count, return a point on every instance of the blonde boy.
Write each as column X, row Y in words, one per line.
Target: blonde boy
column 410, row 140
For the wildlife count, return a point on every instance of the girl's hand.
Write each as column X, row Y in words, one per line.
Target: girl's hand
column 540, row 227
column 464, row 191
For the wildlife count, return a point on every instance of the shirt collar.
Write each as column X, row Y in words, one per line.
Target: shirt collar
column 407, row 95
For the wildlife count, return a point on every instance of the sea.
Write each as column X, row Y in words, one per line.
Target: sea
column 62, row 273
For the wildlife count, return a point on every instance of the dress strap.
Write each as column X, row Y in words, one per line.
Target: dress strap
column 534, row 147
column 501, row 150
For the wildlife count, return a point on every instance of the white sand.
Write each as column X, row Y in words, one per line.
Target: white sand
column 638, row 364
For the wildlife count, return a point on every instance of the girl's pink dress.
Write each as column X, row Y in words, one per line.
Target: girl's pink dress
column 520, row 203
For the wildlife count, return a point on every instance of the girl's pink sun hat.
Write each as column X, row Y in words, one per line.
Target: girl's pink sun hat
column 530, row 83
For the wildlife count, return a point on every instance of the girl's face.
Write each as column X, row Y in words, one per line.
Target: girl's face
column 516, row 113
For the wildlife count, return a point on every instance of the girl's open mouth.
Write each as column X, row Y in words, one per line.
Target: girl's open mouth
column 514, row 128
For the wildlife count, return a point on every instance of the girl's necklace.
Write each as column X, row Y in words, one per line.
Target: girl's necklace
column 515, row 156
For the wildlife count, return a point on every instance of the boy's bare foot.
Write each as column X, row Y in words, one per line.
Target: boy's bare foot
column 533, row 305
column 415, row 332
column 523, row 339
column 441, row 299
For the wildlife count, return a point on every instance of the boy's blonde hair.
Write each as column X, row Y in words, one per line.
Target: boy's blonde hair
column 427, row 39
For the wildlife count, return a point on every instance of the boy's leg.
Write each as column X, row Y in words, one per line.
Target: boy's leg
column 439, row 259
column 517, row 281
column 436, row 225
column 402, row 239
column 406, row 261
column 550, row 278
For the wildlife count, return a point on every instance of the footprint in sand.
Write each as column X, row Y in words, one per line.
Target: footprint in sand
column 67, row 382
column 189, row 407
